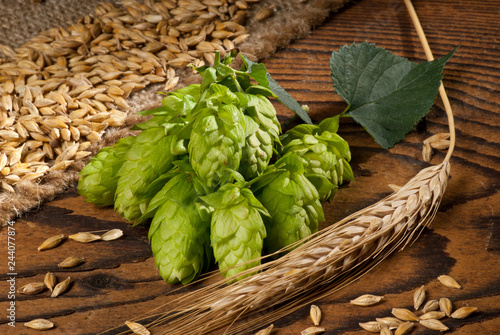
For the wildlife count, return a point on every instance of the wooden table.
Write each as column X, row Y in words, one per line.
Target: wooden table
column 119, row 281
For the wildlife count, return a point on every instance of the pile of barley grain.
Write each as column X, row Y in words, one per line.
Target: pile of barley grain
column 61, row 90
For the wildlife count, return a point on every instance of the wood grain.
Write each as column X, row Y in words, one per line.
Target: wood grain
column 118, row 280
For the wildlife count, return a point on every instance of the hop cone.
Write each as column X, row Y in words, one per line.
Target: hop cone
column 292, row 201
column 98, row 178
column 179, row 234
column 324, row 153
column 237, row 230
column 262, row 131
column 217, row 135
column 149, row 157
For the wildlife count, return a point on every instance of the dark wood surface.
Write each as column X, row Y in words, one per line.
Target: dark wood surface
column 118, row 281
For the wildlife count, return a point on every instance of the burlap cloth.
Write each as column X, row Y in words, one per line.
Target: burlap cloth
column 21, row 20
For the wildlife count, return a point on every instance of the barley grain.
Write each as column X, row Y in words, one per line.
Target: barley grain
column 137, row 328
column 449, row 281
column 7, row 187
column 385, row 331
column 426, row 152
column 419, row 297
column 446, row 306
column 371, row 326
column 3, row 162
column 313, row 331
column 438, row 137
column 112, row 234
column 71, row 262
column 432, row 315
column 264, row 13
column 463, row 312
column 315, row 314
column 171, row 83
column 39, row 324
column 32, row 288
column 61, row 288
column 434, row 325
column 404, row 314
column 51, row 242
column 390, row 321
column 431, row 305
column 84, row 237
column 50, row 281
column 265, row 331
column 367, row 300
column 404, row 328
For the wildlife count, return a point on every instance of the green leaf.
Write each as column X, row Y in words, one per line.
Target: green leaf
column 155, row 111
column 386, row 94
column 258, row 89
column 209, row 76
column 258, row 72
column 154, row 122
column 287, row 100
column 330, row 124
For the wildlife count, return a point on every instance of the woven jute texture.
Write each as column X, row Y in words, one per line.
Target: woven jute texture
column 23, row 20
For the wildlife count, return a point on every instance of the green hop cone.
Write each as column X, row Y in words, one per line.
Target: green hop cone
column 217, row 135
column 179, row 232
column 292, row 201
column 262, row 132
column 324, row 153
column 149, row 157
column 237, row 230
column 98, row 179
